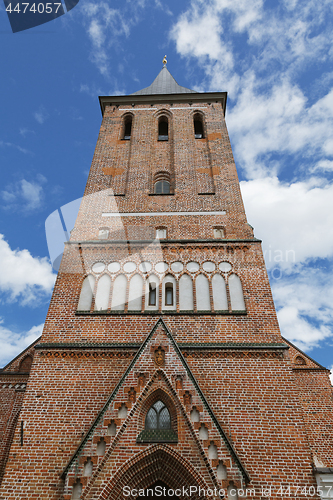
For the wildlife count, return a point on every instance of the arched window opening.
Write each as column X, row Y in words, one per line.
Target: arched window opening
column 300, row 361
column 158, row 426
column 158, row 417
column 162, row 183
column 168, row 294
column 25, row 364
column 162, row 187
column 163, row 129
column 127, row 128
column 161, row 233
column 218, row 233
column 198, row 127
column 152, row 294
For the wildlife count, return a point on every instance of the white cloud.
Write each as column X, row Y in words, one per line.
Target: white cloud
column 24, row 195
column 41, row 115
column 15, row 146
column 24, row 278
column 294, row 220
column 25, row 131
column 279, row 122
column 304, row 302
column 331, row 376
column 12, row 343
column 104, row 26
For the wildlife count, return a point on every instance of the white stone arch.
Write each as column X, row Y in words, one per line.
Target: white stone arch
column 103, row 293
column 169, row 282
column 220, row 298
column 151, row 282
column 236, row 293
column 119, row 293
column 135, row 293
column 87, row 293
column 186, row 302
column 202, row 293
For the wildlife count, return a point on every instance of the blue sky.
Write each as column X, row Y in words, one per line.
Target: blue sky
column 275, row 61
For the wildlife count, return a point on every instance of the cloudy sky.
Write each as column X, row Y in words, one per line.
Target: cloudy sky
column 274, row 58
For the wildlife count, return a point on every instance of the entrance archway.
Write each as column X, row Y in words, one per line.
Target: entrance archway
column 158, row 465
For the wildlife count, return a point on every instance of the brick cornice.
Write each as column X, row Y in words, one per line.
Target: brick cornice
column 188, row 98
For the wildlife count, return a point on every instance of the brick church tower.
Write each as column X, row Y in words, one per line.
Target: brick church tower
column 161, row 363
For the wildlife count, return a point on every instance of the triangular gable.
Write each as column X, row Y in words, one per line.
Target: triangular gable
column 294, row 351
column 144, row 365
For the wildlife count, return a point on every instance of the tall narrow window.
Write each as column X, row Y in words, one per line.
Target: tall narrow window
column 163, row 129
column 152, row 294
column 169, row 294
column 127, row 128
column 198, row 127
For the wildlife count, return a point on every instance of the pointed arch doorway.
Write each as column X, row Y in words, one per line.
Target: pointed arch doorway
column 159, row 465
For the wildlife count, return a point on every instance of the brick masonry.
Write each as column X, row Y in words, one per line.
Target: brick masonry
column 267, row 406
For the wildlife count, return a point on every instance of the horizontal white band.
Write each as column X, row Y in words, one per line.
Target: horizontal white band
column 158, row 214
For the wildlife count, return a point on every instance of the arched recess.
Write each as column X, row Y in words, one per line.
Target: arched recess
column 103, row 293
column 86, row 294
column 171, row 434
column 135, row 293
column 25, row 364
column 220, row 298
column 202, row 293
column 236, row 293
column 185, row 293
column 158, row 463
column 119, row 293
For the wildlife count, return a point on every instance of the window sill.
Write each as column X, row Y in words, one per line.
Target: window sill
column 157, row 436
column 161, row 194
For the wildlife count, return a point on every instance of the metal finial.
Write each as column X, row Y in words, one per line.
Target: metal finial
column 165, row 60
